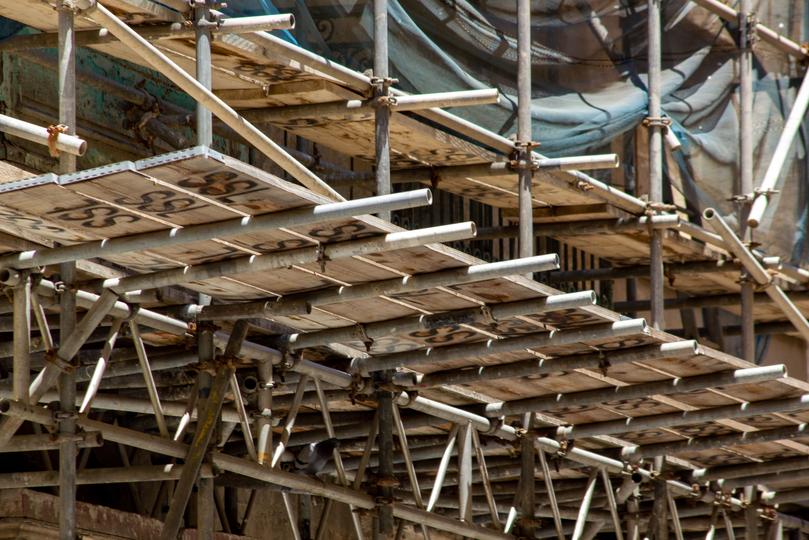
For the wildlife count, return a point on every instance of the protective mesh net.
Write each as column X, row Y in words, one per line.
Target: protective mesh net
column 589, row 85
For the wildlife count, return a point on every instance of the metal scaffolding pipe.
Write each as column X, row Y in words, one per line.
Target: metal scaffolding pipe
column 462, row 98
column 206, row 97
column 427, row 280
column 148, row 378
column 604, row 395
column 197, row 451
column 120, row 403
column 767, row 185
column 584, row 508
column 119, row 309
column 800, row 495
column 624, row 272
column 655, row 131
column 524, row 140
column 746, row 165
column 595, row 188
column 257, row 23
column 537, row 340
column 366, row 108
column 100, row 368
column 716, row 300
column 747, row 469
column 49, row 136
column 503, row 168
column 775, row 39
column 250, row 469
column 71, row 335
column 539, row 366
column 583, row 228
column 757, row 271
column 22, row 338
column 685, row 418
column 696, row 444
column 152, row 32
column 34, row 443
column 218, row 229
column 99, row 476
column 362, row 83
column 454, row 414
column 381, row 91
column 283, row 259
column 763, row 479
column 494, row 312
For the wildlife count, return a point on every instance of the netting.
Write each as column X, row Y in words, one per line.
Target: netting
column 589, row 86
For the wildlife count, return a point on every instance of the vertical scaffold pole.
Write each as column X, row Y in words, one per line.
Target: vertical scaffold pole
column 203, row 65
column 655, row 125
column 67, row 381
column 382, row 113
column 527, row 483
column 746, row 169
column 384, row 399
column 524, row 129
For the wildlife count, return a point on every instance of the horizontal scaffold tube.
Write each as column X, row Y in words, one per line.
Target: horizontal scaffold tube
column 746, row 469
column 297, row 482
column 764, row 479
column 502, row 168
column 493, row 312
column 715, row 441
column 769, row 35
column 115, row 402
column 641, row 270
column 686, row 418
column 152, row 32
column 283, row 259
column 31, row 443
column 61, row 142
column 105, row 475
column 204, row 96
column 757, row 271
column 418, row 282
column 633, row 391
column 218, row 229
column 580, row 228
column 359, row 107
column 435, row 356
column 540, row 366
column 362, row 83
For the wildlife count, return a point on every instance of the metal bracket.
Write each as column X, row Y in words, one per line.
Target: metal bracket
column 766, row 192
column 322, row 257
column 486, row 313
column 367, row 340
column 383, row 82
column 657, row 121
column 61, row 416
column 65, row 367
column 76, row 6
column 133, row 312
column 747, row 26
column 385, row 100
column 741, row 199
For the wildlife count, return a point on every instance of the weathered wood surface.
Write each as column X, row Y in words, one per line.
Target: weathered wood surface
column 199, row 185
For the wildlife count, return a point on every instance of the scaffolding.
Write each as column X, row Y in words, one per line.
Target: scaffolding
column 333, row 355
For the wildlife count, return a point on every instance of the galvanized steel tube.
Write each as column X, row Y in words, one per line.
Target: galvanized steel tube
column 437, row 355
column 283, row 259
column 206, row 97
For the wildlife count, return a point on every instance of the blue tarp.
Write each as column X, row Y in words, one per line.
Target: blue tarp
column 589, row 85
